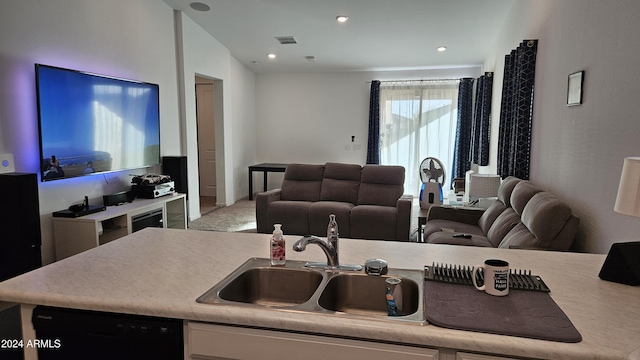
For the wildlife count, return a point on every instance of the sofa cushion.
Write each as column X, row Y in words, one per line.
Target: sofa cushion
column 506, row 221
column 543, row 218
column 381, row 185
column 522, row 193
column 447, row 238
column 302, row 182
column 490, row 215
column 386, row 213
column 506, row 189
column 293, row 215
column 373, row 222
column 340, row 182
column 545, row 215
column 519, row 237
column 319, row 217
column 436, row 226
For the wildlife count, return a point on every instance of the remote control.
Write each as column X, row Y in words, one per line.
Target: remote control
column 466, row 236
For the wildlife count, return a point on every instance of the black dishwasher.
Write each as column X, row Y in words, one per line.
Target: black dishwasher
column 80, row 334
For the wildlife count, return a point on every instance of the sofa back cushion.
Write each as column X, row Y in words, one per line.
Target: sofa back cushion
column 519, row 237
column 545, row 215
column 504, row 201
column 340, row 182
column 522, row 193
column 504, row 223
column 381, row 185
column 302, row 182
column 490, row 215
column 543, row 218
column 506, row 189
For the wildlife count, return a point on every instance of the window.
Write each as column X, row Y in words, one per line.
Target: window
column 417, row 120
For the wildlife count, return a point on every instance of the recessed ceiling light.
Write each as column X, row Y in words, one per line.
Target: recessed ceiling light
column 342, row 18
column 198, row 6
column 442, row 48
column 271, row 56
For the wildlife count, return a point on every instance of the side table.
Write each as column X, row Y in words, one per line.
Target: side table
column 422, row 221
column 265, row 168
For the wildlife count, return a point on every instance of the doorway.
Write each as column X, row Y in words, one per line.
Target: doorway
column 205, row 120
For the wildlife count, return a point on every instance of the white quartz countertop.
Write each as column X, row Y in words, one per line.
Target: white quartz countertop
column 161, row 272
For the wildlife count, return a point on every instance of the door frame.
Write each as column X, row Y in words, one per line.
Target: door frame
column 218, row 116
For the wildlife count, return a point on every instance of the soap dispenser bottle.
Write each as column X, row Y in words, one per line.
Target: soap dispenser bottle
column 278, row 256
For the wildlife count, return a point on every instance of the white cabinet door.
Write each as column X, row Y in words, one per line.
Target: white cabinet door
column 470, row 356
column 207, row 341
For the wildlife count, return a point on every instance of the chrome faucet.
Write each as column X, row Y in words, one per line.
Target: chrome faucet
column 329, row 247
column 329, row 250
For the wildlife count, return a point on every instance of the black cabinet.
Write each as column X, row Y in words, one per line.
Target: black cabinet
column 83, row 334
column 19, row 224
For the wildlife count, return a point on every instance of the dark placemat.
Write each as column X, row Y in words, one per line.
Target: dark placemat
column 522, row 313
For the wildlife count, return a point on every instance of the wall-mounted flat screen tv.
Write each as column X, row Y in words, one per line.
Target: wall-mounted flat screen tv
column 91, row 123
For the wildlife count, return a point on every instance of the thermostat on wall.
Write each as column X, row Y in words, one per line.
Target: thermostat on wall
column 6, row 163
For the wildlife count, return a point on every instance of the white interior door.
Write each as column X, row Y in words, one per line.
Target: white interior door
column 206, row 139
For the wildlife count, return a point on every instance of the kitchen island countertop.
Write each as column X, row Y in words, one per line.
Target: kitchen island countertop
column 161, row 272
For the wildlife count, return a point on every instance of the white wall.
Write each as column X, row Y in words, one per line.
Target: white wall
column 204, row 56
column 123, row 38
column 578, row 152
column 310, row 117
column 129, row 39
column 244, row 126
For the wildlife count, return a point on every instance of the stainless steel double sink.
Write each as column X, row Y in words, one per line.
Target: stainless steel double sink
column 295, row 287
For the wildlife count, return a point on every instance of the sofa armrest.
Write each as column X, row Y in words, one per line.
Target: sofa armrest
column 263, row 200
column 469, row 216
column 403, row 221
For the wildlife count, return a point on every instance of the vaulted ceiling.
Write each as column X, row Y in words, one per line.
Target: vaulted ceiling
column 379, row 34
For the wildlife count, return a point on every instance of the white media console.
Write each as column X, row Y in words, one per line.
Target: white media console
column 75, row 235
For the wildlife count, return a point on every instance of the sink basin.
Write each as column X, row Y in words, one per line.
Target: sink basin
column 272, row 286
column 364, row 295
column 295, row 287
column 257, row 282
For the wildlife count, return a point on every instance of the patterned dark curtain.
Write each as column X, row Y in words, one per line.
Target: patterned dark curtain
column 462, row 150
column 373, row 141
column 482, row 120
column 516, row 112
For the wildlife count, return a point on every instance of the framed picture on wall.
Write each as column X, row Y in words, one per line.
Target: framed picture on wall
column 574, row 88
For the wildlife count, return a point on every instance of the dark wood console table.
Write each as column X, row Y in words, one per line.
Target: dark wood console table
column 265, row 168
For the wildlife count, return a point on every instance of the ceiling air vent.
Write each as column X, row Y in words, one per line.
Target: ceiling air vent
column 310, row 58
column 286, row 40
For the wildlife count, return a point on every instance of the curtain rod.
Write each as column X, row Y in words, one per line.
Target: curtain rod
column 420, row 80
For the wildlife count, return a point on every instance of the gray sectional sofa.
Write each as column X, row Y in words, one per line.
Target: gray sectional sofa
column 368, row 201
column 524, row 216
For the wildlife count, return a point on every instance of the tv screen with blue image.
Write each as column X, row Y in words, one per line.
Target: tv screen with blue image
column 91, row 123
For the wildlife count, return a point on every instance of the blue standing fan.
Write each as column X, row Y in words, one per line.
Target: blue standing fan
column 432, row 176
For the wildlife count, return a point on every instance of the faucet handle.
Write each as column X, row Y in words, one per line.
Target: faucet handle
column 332, row 228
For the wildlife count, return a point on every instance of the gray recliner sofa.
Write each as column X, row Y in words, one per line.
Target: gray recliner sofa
column 524, row 216
column 368, row 201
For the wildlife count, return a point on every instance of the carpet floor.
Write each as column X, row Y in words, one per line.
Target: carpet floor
column 239, row 217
